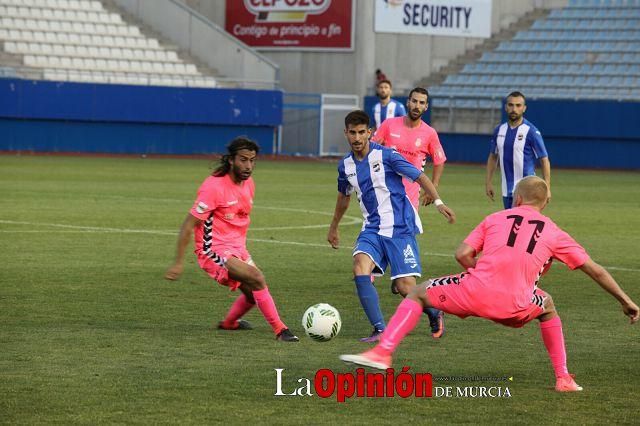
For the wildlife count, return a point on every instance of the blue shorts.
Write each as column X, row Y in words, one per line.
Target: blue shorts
column 400, row 253
column 507, row 202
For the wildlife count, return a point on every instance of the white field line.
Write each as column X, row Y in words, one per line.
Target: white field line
column 98, row 229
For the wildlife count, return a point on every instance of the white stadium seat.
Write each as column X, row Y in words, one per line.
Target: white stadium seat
column 11, row 47
column 170, row 68
column 66, row 63
column 79, row 40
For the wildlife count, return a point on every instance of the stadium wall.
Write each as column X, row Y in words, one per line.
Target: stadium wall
column 405, row 58
column 42, row 116
column 584, row 134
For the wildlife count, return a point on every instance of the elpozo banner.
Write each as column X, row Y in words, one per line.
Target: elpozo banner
column 292, row 24
column 463, row 18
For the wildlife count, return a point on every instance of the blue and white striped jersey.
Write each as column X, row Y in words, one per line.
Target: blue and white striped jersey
column 517, row 151
column 380, row 113
column 377, row 182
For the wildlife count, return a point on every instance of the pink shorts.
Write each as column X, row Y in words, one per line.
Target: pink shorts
column 461, row 295
column 214, row 264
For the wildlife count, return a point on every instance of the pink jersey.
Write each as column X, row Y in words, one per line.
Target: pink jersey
column 415, row 144
column 515, row 246
column 224, row 207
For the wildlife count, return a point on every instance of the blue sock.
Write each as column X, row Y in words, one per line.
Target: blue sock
column 369, row 300
column 432, row 313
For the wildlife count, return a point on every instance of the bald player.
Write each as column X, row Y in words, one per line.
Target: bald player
column 501, row 285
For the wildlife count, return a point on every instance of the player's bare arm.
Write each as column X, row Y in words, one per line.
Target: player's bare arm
column 466, row 256
column 426, row 184
column 545, row 165
column 609, row 284
column 184, row 237
column 492, row 163
column 426, row 199
column 342, row 204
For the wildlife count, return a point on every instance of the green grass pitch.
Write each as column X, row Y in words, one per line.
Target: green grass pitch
column 91, row 333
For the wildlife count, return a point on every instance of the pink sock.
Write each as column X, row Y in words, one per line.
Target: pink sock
column 239, row 307
column 553, row 339
column 401, row 323
column 268, row 308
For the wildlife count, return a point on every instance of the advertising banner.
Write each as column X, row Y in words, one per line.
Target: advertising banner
column 463, row 18
column 292, row 24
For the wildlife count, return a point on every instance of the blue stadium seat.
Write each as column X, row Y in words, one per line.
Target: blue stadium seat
column 580, row 81
column 539, row 25
column 473, row 79
column 591, row 49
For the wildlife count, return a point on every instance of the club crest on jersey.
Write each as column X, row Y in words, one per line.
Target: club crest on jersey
column 520, row 136
column 202, row 207
column 376, row 166
column 418, row 142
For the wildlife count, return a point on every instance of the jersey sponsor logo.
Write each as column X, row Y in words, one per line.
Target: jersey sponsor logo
column 376, row 166
column 406, row 153
column 409, row 256
column 520, row 136
column 408, row 252
column 202, row 207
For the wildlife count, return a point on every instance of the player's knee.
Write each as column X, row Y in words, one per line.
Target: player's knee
column 362, row 265
column 549, row 310
column 419, row 294
column 549, row 306
column 359, row 270
column 255, row 279
column 415, row 293
column 405, row 287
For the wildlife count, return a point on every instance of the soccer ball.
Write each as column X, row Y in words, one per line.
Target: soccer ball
column 321, row 322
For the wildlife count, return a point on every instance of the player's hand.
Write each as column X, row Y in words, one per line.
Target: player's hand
column 548, row 195
column 425, row 199
column 489, row 192
column 447, row 213
column 174, row 272
column 334, row 238
column 632, row 311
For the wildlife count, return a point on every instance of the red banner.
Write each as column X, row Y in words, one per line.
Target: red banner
column 292, row 24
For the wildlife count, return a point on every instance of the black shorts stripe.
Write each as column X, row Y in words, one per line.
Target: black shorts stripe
column 538, row 299
column 447, row 280
column 207, row 236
